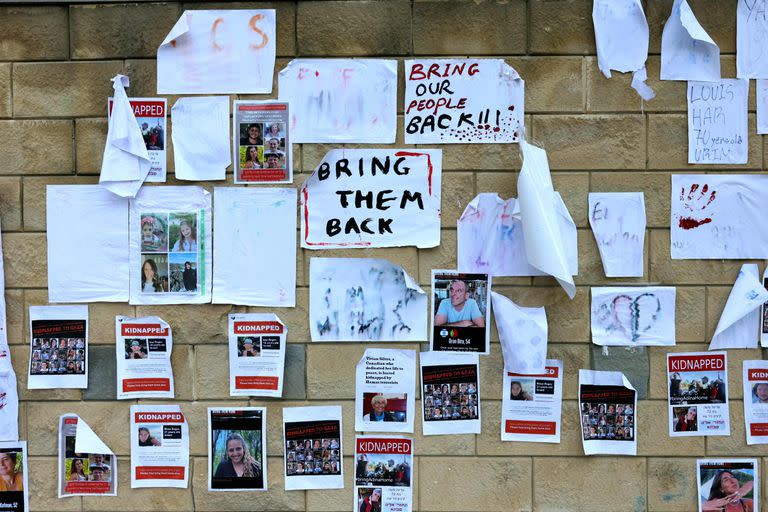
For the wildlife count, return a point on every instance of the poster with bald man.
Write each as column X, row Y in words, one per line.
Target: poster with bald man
column 460, row 312
column 385, row 387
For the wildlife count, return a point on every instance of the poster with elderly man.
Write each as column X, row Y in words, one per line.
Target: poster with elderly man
column 460, row 312
column 385, row 388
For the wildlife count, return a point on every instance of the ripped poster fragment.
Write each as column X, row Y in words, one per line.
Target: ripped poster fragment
column 762, row 106
column 151, row 116
column 633, row 316
column 751, row 39
column 618, row 221
column 764, row 314
column 9, row 395
column 717, row 122
column 740, row 320
column 87, row 467
column 608, row 405
column 687, row 51
column 522, row 334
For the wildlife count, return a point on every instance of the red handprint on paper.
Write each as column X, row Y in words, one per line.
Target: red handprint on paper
column 696, row 201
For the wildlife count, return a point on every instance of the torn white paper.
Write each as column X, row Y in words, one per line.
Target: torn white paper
column 752, row 39
column 151, row 117
column 15, row 490
column 125, row 163
column 491, row 240
column 255, row 246
column 532, row 404
column 764, row 314
column 717, row 122
column 9, row 395
column 740, row 320
column 762, row 106
column 87, row 228
column 621, row 36
column 256, row 354
column 522, row 334
column 58, row 354
column 617, row 220
column 218, row 52
column 341, row 100
column 452, row 380
column 313, row 441
column 363, row 299
column 633, row 316
column 359, row 198
column 201, row 141
column 545, row 244
column 687, row 51
column 698, row 396
column 159, row 447
column 604, row 395
column 143, row 350
column 713, row 216
column 87, row 467
column 463, row 101
column 385, row 383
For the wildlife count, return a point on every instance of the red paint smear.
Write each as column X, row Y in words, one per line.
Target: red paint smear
column 317, row 73
column 429, row 165
column 690, row 223
column 173, row 43
column 497, row 129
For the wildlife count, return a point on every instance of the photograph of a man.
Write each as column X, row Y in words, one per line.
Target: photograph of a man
column 459, row 310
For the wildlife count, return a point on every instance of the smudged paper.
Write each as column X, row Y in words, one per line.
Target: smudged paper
column 462, row 101
column 362, row 299
column 617, row 220
column 522, row 333
column 751, row 39
column 740, row 319
column 687, row 51
column 717, row 122
column 201, row 149
column 633, row 316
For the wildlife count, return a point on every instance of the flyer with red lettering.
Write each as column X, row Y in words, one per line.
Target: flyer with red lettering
column 159, row 446
column 262, row 144
column 383, row 474
column 256, row 354
column 450, row 392
column 87, row 467
column 151, row 114
column 14, row 493
column 143, row 351
column 698, row 396
column 385, row 385
column 532, row 405
column 58, row 347
column 608, row 405
column 755, row 375
column 728, row 485
column 312, row 437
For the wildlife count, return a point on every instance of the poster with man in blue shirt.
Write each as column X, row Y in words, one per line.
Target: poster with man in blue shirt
column 460, row 303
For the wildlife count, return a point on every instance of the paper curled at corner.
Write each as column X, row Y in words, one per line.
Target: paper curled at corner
column 9, row 395
column 598, row 392
column 126, row 162
column 617, row 220
column 632, row 316
column 621, row 35
column 218, row 52
column 740, row 319
column 523, row 335
column 687, row 51
column 87, row 447
column 201, row 141
column 751, row 39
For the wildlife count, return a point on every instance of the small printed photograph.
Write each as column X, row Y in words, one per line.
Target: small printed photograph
column 685, row 419
column 251, row 157
column 459, row 302
column 369, row 499
column 385, row 407
column 697, row 388
column 150, row 435
column 237, row 454
column 522, row 389
column 274, row 160
column 248, row 346
column 154, row 273
column 154, row 232
column 88, row 468
column 275, row 145
column 182, row 232
column 48, row 359
column 607, row 421
column 11, row 470
column 450, row 401
column 153, row 132
column 136, row 348
column 183, row 272
column 727, row 486
column 383, row 469
column 760, row 393
column 317, row 456
column 251, row 134
column 275, row 131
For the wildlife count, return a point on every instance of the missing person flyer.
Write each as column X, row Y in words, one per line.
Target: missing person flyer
column 608, row 405
column 14, row 490
column 237, row 449
column 383, row 473
column 450, row 393
column 59, row 347
column 87, row 467
column 728, row 485
column 384, row 392
column 151, row 115
column 159, row 446
column 256, row 354
column 532, row 405
column 461, row 305
column 698, row 397
column 143, row 358
column 755, row 375
column 262, row 142
column 313, row 440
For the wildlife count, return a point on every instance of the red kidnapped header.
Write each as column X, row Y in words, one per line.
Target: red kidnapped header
column 697, row 363
column 143, row 330
column 159, row 417
column 144, row 108
column 758, row 374
column 258, row 328
column 549, row 371
column 383, row 445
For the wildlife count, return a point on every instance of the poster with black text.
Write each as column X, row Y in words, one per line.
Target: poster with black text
column 698, row 394
column 159, row 446
column 312, row 438
column 262, row 142
column 608, row 410
column 450, row 393
column 383, row 474
column 385, row 384
column 532, row 405
column 59, row 347
column 143, row 352
column 256, row 354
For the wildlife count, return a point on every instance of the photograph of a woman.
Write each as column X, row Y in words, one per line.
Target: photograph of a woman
column 238, row 461
column 147, row 439
column 11, row 472
column 727, row 485
column 151, row 280
column 77, row 471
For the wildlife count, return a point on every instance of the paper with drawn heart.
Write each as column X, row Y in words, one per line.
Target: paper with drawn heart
column 739, row 322
column 633, row 316
column 522, row 333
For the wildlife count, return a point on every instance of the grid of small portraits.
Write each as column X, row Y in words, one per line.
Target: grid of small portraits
column 262, row 145
column 318, row 456
column 169, row 252
column 450, row 401
column 612, row 421
column 60, row 356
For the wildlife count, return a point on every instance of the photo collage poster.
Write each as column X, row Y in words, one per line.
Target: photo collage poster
column 59, row 347
column 262, row 143
column 87, row 467
column 450, row 393
column 313, row 447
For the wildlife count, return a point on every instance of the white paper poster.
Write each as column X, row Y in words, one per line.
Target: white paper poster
column 59, row 347
column 237, row 449
column 463, row 101
column 522, row 334
column 728, row 484
column 617, row 220
column 87, row 228
column 461, row 312
column 256, row 354
column 698, row 397
column 608, row 405
column 755, row 378
column 621, row 36
column 739, row 323
column 452, row 380
column 218, row 52
column 341, row 100
column 383, row 474
column 87, row 467
column 385, row 386
column 255, row 249
column 717, row 122
column 9, row 395
column 764, row 315
column 713, row 216
column 360, row 198
column 491, row 240
column 201, row 142
column 532, row 404
column 762, row 106
column 363, row 299
column 143, row 349
column 633, row 316
column 752, row 39
column 263, row 143
column 170, row 246
column 312, row 437
column 159, row 446
column 151, row 116
column 687, row 51
column 14, row 489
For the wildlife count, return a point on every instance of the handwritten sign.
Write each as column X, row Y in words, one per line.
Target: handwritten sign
column 373, row 198
column 717, row 122
column 618, row 223
column 752, row 39
column 462, row 101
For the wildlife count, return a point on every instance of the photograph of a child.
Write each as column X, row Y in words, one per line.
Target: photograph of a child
column 154, row 232
column 136, row 348
column 182, row 232
column 248, row 346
